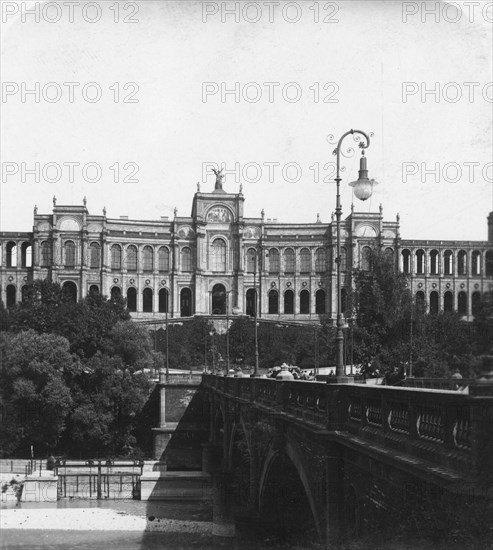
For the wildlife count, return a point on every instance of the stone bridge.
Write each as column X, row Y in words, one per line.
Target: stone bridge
column 324, row 461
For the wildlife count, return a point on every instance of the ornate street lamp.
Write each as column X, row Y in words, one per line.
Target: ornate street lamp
column 363, row 188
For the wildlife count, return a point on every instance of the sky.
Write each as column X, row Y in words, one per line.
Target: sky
column 131, row 103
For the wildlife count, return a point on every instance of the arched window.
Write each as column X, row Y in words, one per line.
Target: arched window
column 420, row 262
column 46, row 257
column 11, row 254
column 420, row 301
column 94, row 255
column 69, row 288
column 274, row 262
column 462, row 262
column 273, row 302
column 304, row 302
column 389, row 254
column 448, row 258
column 250, row 302
column 94, row 289
column 10, row 295
column 251, row 260
column 148, row 258
column 116, row 293
column 476, row 262
column 476, row 303
column 305, row 261
column 185, row 301
column 434, row 262
column 462, row 303
column 163, row 300
column 434, row 305
column 218, row 256
column 489, row 263
column 131, row 258
column 343, row 258
column 289, row 263
column 365, row 262
column 163, row 259
column 320, row 260
column 406, row 261
column 69, row 254
column 288, row 302
column 448, row 301
column 132, row 299
column 26, row 255
column 218, row 299
column 320, row 302
column 147, row 300
column 186, row 259
column 116, row 258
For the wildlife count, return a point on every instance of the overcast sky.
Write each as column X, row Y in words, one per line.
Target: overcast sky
column 163, row 70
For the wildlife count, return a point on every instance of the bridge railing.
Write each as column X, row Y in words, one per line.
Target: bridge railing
column 434, row 425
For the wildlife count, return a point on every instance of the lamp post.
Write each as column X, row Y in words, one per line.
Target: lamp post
column 363, row 188
column 255, row 308
column 167, row 339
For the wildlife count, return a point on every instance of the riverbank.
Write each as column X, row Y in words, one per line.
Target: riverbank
column 98, row 519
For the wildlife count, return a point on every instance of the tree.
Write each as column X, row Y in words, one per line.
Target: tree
column 36, row 369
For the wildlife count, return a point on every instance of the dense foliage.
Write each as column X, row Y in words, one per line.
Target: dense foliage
column 73, row 375
column 393, row 332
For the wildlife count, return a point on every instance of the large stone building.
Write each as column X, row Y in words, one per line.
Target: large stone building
column 211, row 261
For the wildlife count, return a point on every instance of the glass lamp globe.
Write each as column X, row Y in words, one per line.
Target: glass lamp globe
column 363, row 186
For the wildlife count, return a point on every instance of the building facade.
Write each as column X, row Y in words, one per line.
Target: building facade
column 211, row 262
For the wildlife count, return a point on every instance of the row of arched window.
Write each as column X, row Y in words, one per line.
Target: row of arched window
column 12, row 255
column 275, row 262
column 273, row 302
column 448, row 304
column 433, row 263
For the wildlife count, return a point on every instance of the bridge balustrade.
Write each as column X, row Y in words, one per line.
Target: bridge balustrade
column 433, row 425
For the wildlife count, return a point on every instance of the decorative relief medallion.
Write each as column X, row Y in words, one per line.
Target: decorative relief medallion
column 132, row 281
column 185, row 232
column 448, row 285
column 25, row 278
column 94, row 228
column 148, row 281
column 304, row 283
column 320, row 283
column 365, row 230
column 273, row 285
column 11, row 278
column 288, row 284
column 69, row 224
column 163, row 282
column 462, row 285
column 434, row 285
column 115, row 280
column 420, row 285
column 251, row 233
column 219, row 214
column 476, row 286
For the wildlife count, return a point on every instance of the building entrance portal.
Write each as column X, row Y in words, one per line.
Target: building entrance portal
column 218, row 300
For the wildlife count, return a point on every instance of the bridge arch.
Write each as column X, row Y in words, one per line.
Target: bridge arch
column 281, row 466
